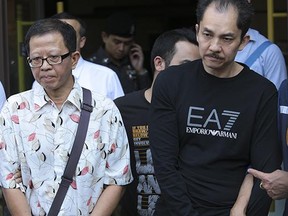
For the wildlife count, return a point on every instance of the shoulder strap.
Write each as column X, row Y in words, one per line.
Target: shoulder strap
column 67, row 178
column 252, row 58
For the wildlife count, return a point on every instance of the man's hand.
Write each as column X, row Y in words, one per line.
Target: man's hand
column 137, row 58
column 18, row 176
column 275, row 183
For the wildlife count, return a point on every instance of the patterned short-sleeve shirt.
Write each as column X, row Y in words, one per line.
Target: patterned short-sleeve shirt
column 37, row 137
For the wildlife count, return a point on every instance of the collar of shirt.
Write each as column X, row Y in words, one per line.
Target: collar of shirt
column 41, row 98
column 253, row 34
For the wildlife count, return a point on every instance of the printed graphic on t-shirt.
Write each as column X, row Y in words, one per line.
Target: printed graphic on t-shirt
column 148, row 188
column 198, row 123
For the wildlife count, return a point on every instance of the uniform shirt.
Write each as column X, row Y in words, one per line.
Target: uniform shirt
column 36, row 136
column 127, row 75
column 271, row 63
column 97, row 78
column 204, row 132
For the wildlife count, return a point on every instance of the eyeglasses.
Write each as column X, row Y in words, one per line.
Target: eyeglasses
column 51, row 60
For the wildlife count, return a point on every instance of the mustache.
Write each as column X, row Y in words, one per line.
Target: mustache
column 213, row 55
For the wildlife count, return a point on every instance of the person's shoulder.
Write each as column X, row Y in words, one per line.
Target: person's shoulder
column 273, row 49
column 97, row 66
column 256, row 36
column 132, row 96
column 94, row 67
column 173, row 78
column 98, row 56
column 250, row 73
column 258, row 80
column 101, row 101
column 260, row 38
column 179, row 72
column 99, row 97
column 21, row 97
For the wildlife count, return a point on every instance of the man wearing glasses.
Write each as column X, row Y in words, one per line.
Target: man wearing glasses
column 86, row 72
column 52, row 60
column 38, row 127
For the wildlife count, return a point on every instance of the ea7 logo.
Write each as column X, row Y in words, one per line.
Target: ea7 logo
column 195, row 119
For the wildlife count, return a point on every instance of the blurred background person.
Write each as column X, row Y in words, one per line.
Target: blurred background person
column 120, row 53
column 263, row 57
column 173, row 47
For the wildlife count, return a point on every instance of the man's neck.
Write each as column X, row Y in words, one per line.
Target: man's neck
column 148, row 94
column 233, row 70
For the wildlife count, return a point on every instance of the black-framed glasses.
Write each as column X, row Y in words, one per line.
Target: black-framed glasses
column 51, row 60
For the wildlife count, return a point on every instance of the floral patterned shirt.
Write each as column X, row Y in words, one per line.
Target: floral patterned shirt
column 37, row 137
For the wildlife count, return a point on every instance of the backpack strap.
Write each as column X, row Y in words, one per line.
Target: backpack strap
column 252, row 58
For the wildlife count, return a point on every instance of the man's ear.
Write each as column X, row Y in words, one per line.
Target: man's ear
column 244, row 42
column 104, row 36
column 196, row 28
column 197, row 31
column 159, row 63
column 75, row 57
column 82, row 42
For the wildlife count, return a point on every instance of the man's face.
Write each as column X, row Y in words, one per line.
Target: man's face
column 52, row 77
column 219, row 39
column 117, row 47
column 185, row 52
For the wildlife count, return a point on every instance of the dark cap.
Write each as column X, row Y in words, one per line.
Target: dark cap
column 120, row 24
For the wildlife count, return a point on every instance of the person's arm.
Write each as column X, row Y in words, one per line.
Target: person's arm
column 108, row 200
column 13, row 190
column 240, row 206
column 117, row 167
column 16, row 202
column 165, row 147
column 137, row 60
column 265, row 150
column 115, row 88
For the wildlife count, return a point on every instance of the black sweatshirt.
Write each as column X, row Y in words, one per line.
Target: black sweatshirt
column 204, row 133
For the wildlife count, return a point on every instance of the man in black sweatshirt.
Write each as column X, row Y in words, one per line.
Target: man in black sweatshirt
column 213, row 118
